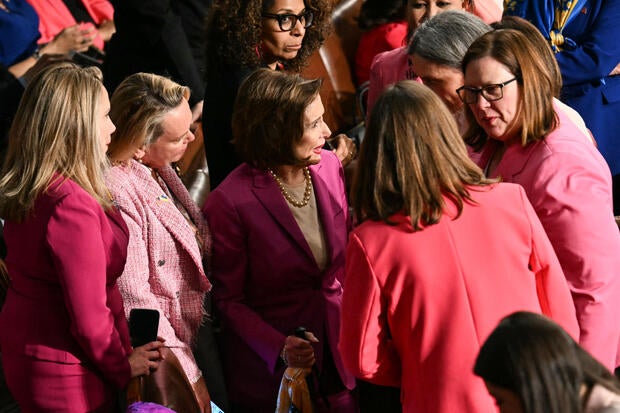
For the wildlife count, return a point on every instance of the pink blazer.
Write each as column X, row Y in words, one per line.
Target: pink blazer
column 54, row 16
column 386, row 69
column 569, row 184
column 267, row 281
column 63, row 305
column 418, row 305
column 164, row 269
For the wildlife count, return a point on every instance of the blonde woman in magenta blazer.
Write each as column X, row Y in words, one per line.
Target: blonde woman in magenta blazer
column 168, row 238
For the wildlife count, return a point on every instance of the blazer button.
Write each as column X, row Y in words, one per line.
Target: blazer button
column 161, row 262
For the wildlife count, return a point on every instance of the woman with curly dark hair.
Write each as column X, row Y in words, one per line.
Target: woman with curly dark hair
column 241, row 37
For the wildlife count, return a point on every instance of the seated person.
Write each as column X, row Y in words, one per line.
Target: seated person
column 93, row 16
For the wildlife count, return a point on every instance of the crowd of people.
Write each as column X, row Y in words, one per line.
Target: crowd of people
column 472, row 263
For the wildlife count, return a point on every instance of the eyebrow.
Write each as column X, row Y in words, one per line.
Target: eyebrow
column 288, row 11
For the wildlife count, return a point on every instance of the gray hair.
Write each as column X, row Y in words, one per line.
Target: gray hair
column 445, row 38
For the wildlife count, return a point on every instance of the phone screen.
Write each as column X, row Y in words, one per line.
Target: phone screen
column 143, row 326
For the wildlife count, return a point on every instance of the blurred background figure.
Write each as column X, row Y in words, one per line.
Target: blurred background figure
column 436, row 52
column 280, row 223
column 241, row 37
column 164, row 37
column 442, row 253
column 94, row 17
column 64, row 336
column 530, row 364
column 580, row 33
column 169, row 240
column 384, row 26
column 389, row 67
column 519, row 134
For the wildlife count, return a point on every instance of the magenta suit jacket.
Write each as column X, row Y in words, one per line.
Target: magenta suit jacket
column 569, row 184
column 267, row 282
column 164, row 269
column 63, row 305
column 417, row 306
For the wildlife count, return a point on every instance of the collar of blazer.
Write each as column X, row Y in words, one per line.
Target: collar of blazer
column 167, row 213
column 268, row 194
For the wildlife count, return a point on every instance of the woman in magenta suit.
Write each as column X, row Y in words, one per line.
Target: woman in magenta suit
column 168, row 238
column 64, row 337
column 280, row 223
column 442, row 254
column 522, row 136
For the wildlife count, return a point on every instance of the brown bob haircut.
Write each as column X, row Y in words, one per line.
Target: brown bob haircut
column 414, row 158
column 537, row 83
column 268, row 117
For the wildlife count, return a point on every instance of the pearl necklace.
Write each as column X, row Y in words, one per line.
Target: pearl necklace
column 291, row 200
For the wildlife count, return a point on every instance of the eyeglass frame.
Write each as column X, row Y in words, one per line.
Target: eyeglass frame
column 480, row 91
column 278, row 17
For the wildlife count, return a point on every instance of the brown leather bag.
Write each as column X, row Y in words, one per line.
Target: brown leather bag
column 167, row 386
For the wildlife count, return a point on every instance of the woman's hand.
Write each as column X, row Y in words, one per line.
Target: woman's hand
column 299, row 352
column 202, row 394
column 344, row 148
column 78, row 38
column 616, row 70
column 106, row 29
column 145, row 358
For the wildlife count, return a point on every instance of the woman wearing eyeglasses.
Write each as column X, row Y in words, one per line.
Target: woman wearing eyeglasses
column 241, row 37
column 521, row 135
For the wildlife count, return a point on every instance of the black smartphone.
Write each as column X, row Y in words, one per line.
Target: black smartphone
column 143, row 325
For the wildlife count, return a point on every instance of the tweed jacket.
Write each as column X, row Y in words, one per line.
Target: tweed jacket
column 268, row 282
column 164, row 269
column 569, row 184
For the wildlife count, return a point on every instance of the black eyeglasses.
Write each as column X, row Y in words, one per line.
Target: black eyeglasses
column 490, row 92
column 287, row 21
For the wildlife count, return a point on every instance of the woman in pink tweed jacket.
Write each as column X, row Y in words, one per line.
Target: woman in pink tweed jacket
column 168, row 237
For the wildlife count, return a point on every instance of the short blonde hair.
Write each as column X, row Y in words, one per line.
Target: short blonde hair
column 55, row 130
column 138, row 107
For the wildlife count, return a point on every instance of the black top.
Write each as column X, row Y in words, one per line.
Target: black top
column 220, row 93
column 79, row 12
column 159, row 36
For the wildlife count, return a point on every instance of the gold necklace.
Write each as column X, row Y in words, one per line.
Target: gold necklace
column 291, row 200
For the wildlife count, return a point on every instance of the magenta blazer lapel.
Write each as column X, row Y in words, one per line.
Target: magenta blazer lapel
column 268, row 193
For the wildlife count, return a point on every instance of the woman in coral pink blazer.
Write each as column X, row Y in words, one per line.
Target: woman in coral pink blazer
column 441, row 256
column 522, row 136
column 280, row 225
column 168, row 238
column 64, row 337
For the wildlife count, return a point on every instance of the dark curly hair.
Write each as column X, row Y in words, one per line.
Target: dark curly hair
column 234, row 29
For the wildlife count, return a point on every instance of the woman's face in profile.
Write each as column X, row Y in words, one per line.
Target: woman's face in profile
column 505, row 400
column 106, row 127
column 315, row 133
column 277, row 44
column 441, row 79
column 172, row 143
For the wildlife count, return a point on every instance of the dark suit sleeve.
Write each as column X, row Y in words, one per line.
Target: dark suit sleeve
column 10, row 93
column 155, row 27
